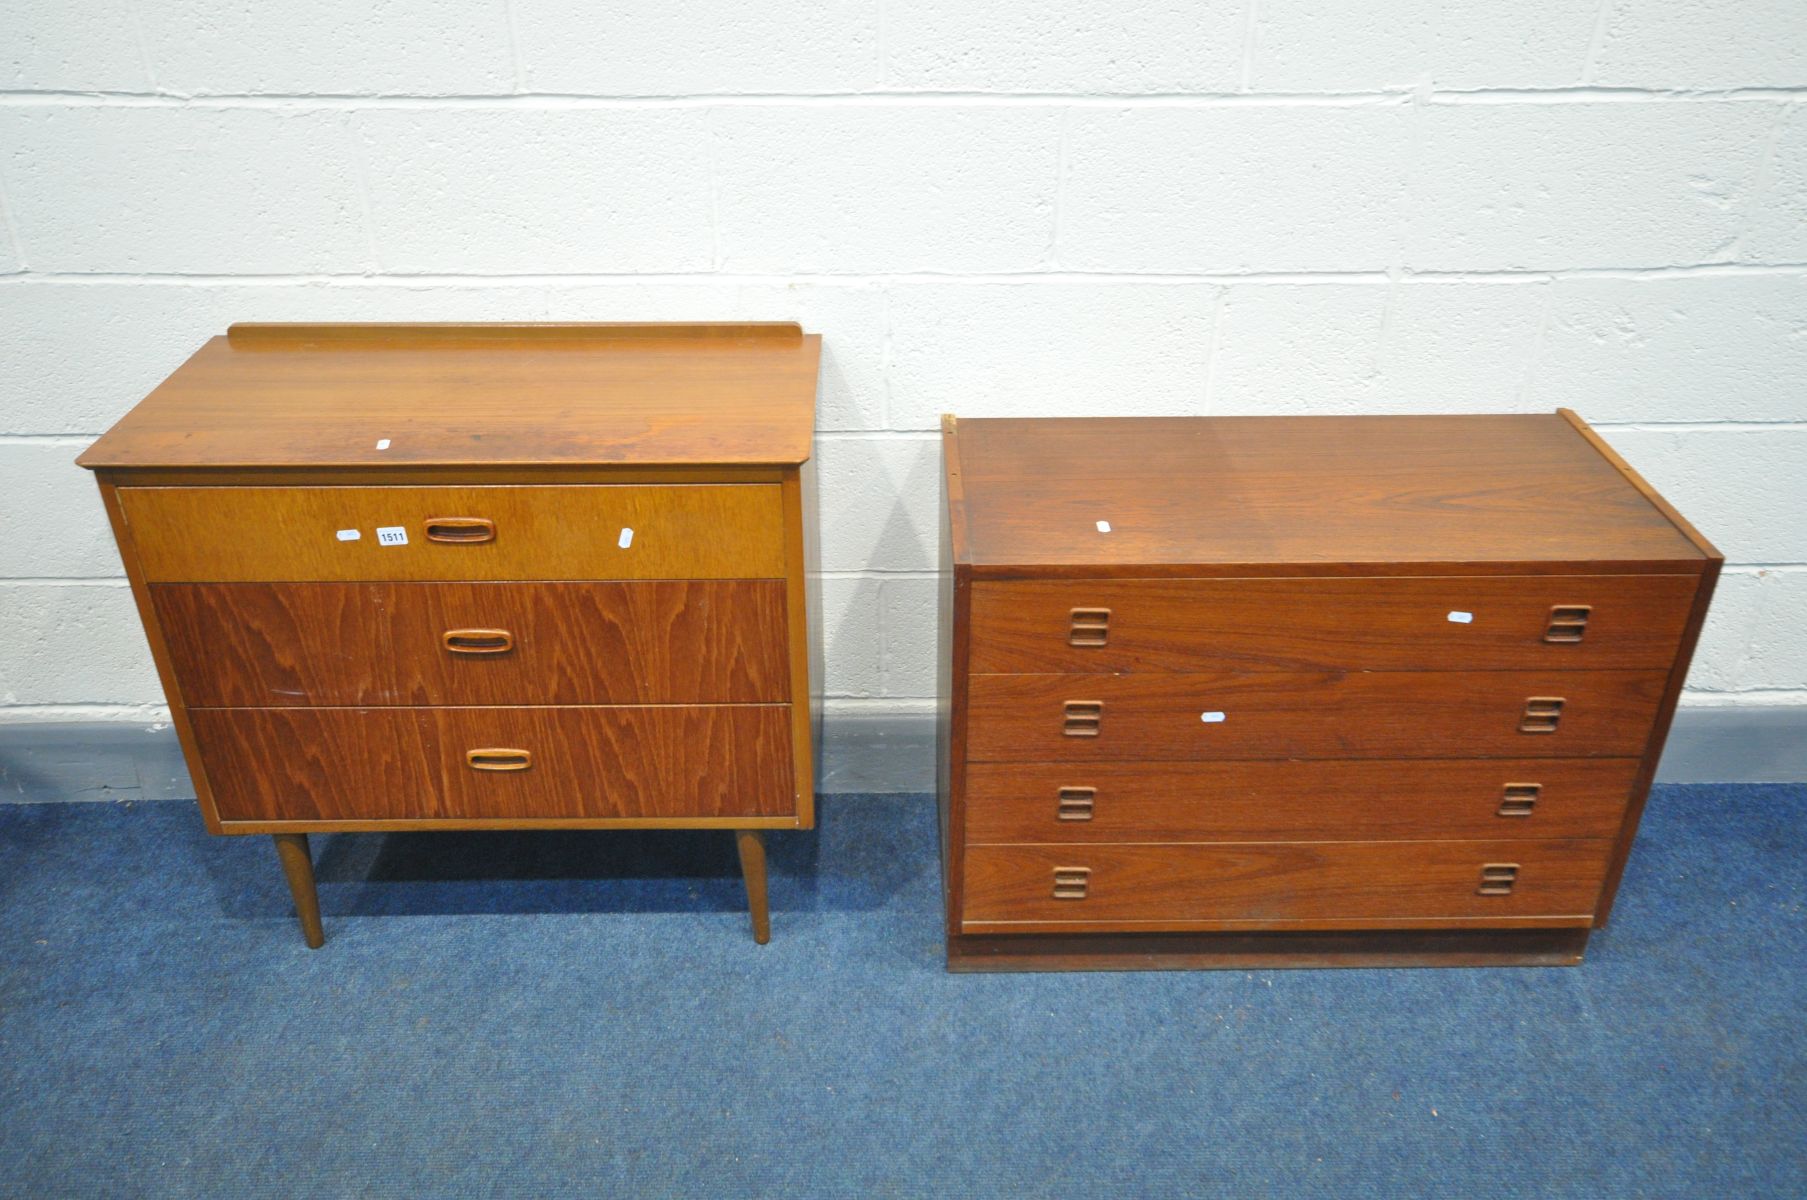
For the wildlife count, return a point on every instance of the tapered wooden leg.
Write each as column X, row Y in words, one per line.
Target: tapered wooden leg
column 751, row 843
column 298, row 865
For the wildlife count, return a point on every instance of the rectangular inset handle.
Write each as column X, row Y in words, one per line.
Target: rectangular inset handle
column 1089, row 627
column 479, row 641
column 1070, row 882
column 1075, row 803
column 1518, row 799
column 1083, row 718
column 1542, row 714
column 461, row 530
column 1567, row 623
column 498, row 759
column 1497, row 879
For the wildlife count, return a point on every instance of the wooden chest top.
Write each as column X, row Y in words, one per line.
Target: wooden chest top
column 397, row 396
column 1152, row 496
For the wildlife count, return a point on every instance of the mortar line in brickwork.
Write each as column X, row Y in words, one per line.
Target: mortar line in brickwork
column 143, row 46
column 1546, row 310
column 1596, row 42
column 516, row 67
column 360, row 165
column 1245, row 74
column 1377, row 276
column 900, row 99
column 866, row 435
column 1062, row 138
column 877, row 573
column 11, row 230
column 1213, row 351
column 1737, row 426
column 1733, row 699
column 155, row 712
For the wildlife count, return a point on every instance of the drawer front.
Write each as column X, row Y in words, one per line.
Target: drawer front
column 1298, row 801
column 302, row 644
column 413, row 764
column 1543, row 623
column 1281, row 884
column 245, row 534
column 1296, row 714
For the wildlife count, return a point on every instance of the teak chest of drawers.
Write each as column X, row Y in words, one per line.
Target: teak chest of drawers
column 1299, row 691
column 480, row 577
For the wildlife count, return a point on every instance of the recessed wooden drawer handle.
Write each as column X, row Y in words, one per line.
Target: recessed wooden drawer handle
column 1542, row 714
column 1567, row 623
column 1070, row 882
column 479, row 641
column 1089, row 627
column 1075, row 803
column 460, row 529
column 496, row 759
column 1083, row 718
column 1497, row 879
column 1519, row 799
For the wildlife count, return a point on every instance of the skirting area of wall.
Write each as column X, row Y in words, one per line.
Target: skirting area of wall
column 117, row 761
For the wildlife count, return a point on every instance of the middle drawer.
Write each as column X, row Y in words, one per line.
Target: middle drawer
column 305, row 644
column 1311, row 714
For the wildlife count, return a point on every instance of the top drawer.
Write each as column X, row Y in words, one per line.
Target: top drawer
column 579, row 531
column 1076, row 627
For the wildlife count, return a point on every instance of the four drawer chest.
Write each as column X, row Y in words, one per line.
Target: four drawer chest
column 1300, row 691
column 426, row 577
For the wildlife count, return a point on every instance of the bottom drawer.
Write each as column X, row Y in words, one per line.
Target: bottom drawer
column 1282, row 885
column 415, row 764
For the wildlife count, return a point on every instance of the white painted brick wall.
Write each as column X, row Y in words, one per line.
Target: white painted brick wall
column 1200, row 206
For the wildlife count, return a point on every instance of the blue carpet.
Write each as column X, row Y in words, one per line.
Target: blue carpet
column 586, row 1015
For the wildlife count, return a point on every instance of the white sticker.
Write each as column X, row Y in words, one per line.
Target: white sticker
column 1211, row 718
column 1461, row 618
column 1104, row 527
column 382, row 443
column 349, row 535
column 392, row 535
column 627, row 539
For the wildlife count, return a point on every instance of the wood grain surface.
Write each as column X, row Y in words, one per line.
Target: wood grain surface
column 311, row 764
column 1306, row 714
column 246, row 534
column 1282, row 801
column 479, row 395
column 1350, row 495
column 1377, row 624
column 312, row 644
column 1274, row 884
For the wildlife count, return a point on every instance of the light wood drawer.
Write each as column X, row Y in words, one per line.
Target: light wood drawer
column 1282, row 885
column 413, row 764
column 680, row 531
column 1301, row 714
column 303, row 644
column 1550, row 622
column 1389, row 800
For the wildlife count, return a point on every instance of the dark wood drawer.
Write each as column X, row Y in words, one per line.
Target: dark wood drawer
column 1551, row 622
column 1389, row 800
column 530, row 531
column 1310, row 714
column 1282, row 885
column 413, row 764
column 305, row 644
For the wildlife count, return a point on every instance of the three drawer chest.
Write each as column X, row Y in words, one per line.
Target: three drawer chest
column 429, row 577
column 1299, row 691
